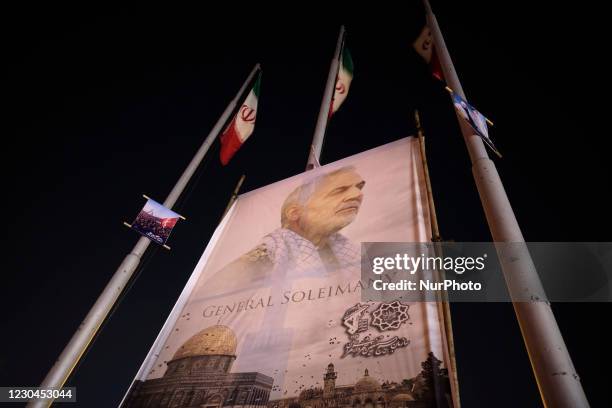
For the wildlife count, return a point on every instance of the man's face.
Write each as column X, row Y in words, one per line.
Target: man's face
column 334, row 204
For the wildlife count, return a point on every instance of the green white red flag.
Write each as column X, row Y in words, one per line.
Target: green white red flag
column 241, row 126
column 343, row 81
column 424, row 46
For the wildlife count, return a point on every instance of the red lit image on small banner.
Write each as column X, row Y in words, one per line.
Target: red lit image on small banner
column 155, row 222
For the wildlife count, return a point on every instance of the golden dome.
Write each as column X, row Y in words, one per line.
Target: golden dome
column 214, row 340
column 403, row 397
column 367, row 383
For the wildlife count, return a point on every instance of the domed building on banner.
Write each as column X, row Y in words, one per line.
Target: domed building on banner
column 367, row 392
column 199, row 376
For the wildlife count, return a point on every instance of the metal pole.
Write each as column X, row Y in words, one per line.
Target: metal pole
column 443, row 305
column 432, row 207
column 232, row 199
column 328, row 94
column 88, row 328
column 552, row 365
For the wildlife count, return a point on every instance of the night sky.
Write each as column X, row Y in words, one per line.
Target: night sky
column 103, row 105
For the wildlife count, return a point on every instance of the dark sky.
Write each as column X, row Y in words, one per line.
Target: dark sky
column 103, row 105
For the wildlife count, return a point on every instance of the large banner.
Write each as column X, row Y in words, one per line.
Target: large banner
column 273, row 314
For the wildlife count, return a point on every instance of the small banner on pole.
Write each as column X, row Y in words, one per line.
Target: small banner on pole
column 475, row 119
column 155, row 222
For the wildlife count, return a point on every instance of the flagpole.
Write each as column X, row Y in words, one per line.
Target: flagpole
column 552, row 365
column 88, row 328
column 432, row 207
column 443, row 305
column 328, row 94
column 234, row 196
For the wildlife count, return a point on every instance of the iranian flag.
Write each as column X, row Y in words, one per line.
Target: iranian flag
column 343, row 81
column 424, row 46
column 242, row 126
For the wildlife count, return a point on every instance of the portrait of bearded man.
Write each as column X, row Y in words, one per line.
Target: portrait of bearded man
column 309, row 241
